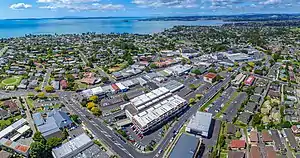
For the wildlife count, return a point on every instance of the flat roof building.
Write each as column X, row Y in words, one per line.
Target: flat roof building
column 159, row 113
column 186, row 147
column 73, row 147
column 238, row 79
column 249, row 81
column 200, row 124
column 210, row 77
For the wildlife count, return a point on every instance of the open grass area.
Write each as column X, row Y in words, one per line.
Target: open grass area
column 12, row 81
column 202, row 108
column 30, row 103
column 227, row 104
column 118, row 67
column 223, row 155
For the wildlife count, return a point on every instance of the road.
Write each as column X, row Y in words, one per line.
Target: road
column 119, row 146
column 103, row 132
column 46, row 78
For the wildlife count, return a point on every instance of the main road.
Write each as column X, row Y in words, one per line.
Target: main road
column 120, row 146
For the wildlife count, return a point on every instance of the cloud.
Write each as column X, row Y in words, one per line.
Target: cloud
column 166, row 3
column 79, row 5
column 20, row 6
column 271, row 2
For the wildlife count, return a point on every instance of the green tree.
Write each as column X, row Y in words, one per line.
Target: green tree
column 153, row 66
column 53, row 142
column 104, row 79
column 238, row 134
column 49, row 89
column 192, row 101
column 41, row 95
column 96, row 111
column 37, row 89
column 256, row 121
column 125, row 97
column 90, row 105
column 94, row 98
column 38, row 150
column 196, row 71
column 38, row 137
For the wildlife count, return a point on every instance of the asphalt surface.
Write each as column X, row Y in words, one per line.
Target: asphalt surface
column 233, row 108
column 46, row 78
column 117, row 144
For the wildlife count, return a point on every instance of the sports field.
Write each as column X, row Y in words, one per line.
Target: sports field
column 12, row 81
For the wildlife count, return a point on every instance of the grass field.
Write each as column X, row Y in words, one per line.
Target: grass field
column 118, row 67
column 12, row 81
column 30, row 103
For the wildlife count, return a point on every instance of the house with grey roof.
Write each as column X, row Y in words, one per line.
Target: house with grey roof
column 52, row 124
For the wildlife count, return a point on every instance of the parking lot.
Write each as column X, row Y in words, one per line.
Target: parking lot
column 219, row 103
column 232, row 110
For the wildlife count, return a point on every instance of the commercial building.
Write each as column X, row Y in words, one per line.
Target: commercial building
column 238, row 57
column 200, row 124
column 14, row 127
column 238, row 80
column 186, row 147
column 73, row 147
column 249, row 81
column 159, row 113
column 179, row 69
column 173, row 85
column 210, row 77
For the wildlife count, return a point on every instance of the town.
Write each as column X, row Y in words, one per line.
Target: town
column 189, row 91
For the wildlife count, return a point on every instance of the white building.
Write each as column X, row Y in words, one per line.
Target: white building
column 199, row 124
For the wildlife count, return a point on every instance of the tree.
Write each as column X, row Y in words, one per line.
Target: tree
column 192, row 86
column 49, row 89
column 196, row 71
column 53, row 142
column 37, row 89
column 75, row 118
column 192, row 101
column 104, row 79
column 236, row 64
column 90, row 105
column 96, row 111
column 41, row 95
column 251, row 64
column 125, row 97
column 219, row 78
column 198, row 96
column 238, row 134
column 38, row 150
column 70, row 78
column 153, row 66
column 93, row 98
column 38, row 137
column 256, row 121
column 229, row 69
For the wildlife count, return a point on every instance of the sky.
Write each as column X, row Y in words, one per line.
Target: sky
column 10, row 9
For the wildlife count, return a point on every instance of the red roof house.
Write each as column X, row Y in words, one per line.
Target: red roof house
column 249, row 81
column 63, row 84
column 296, row 129
column 210, row 77
column 115, row 87
column 238, row 144
column 253, row 136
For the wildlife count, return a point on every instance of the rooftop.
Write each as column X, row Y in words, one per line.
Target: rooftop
column 200, row 122
column 186, row 147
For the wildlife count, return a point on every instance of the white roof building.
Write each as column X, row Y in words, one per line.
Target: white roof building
column 73, row 147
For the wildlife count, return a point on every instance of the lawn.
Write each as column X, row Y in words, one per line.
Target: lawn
column 227, row 104
column 223, row 155
column 118, row 67
column 12, row 81
column 30, row 103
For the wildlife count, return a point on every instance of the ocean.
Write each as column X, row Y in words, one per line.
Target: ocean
column 17, row 28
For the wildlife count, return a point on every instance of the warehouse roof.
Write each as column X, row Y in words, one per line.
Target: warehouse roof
column 200, row 121
column 73, row 147
column 186, row 147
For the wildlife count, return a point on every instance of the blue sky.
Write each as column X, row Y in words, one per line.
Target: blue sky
column 62, row 8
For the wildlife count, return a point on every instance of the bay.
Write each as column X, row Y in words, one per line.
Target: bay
column 21, row 27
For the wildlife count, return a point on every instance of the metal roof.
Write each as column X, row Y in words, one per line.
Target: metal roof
column 200, row 122
column 185, row 147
